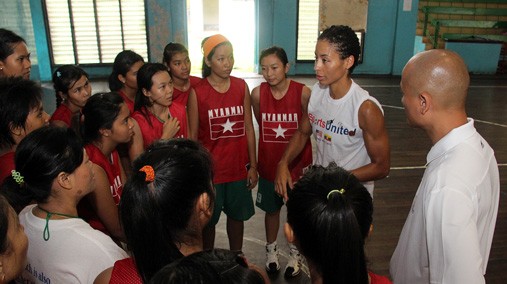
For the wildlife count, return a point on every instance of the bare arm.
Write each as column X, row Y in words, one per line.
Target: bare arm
column 193, row 116
column 102, row 202
column 376, row 141
column 252, row 176
column 255, row 97
column 295, row 146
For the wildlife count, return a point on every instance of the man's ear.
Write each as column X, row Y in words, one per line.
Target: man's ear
column 289, row 233
column 424, row 102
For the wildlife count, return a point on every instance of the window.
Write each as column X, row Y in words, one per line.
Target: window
column 310, row 25
column 95, row 31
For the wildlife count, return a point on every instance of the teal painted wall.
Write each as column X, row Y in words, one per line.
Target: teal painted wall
column 389, row 39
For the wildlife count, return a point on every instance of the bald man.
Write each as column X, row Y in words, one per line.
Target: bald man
column 448, row 232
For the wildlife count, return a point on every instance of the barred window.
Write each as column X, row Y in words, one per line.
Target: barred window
column 95, row 31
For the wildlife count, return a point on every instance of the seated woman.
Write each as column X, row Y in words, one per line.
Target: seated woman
column 53, row 169
column 211, row 266
column 14, row 55
column 329, row 215
column 21, row 112
column 164, row 208
column 13, row 243
column 155, row 112
column 106, row 124
column 72, row 90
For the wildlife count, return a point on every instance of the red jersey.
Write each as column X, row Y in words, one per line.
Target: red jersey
column 182, row 96
column 152, row 127
column 127, row 100
column 6, row 165
column 378, row 279
column 62, row 113
column 222, row 128
column 113, row 172
column 125, row 271
column 279, row 121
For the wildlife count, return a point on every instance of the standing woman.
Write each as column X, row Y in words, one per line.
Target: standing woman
column 53, row 169
column 177, row 60
column 14, row 55
column 72, row 90
column 220, row 116
column 123, row 78
column 279, row 104
column 155, row 112
column 107, row 124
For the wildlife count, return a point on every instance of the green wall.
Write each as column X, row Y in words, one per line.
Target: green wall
column 389, row 39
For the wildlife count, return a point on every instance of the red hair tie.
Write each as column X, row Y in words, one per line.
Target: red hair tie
column 150, row 173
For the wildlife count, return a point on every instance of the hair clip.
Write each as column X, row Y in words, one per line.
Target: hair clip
column 341, row 191
column 17, row 177
column 58, row 74
column 150, row 173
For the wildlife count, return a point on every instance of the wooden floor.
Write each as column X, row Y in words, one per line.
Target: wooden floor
column 487, row 104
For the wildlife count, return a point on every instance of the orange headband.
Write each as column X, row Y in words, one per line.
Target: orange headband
column 211, row 43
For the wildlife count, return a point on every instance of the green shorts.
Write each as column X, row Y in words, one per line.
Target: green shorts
column 235, row 199
column 267, row 198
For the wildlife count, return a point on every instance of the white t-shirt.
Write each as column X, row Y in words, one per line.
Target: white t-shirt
column 74, row 253
column 448, row 232
column 335, row 126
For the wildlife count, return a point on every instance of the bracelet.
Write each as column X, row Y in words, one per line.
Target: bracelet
column 253, row 167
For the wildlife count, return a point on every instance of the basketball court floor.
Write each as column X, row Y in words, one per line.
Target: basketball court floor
column 487, row 104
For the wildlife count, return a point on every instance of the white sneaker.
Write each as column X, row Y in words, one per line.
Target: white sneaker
column 293, row 267
column 272, row 264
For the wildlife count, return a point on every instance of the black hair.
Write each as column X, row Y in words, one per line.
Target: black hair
column 64, row 79
column 4, row 224
column 18, row 97
column 345, row 41
column 277, row 51
column 8, row 41
column 155, row 215
column 100, row 112
column 144, row 81
column 206, row 70
column 217, row 266
column 40, row 157
column 330, row 213
column 121, row 66
column 171, row 49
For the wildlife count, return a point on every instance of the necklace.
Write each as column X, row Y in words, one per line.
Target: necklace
column 160, row 119
column 46, row 234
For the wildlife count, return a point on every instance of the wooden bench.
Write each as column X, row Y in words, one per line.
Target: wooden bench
column 427, row 10
column 463, row 24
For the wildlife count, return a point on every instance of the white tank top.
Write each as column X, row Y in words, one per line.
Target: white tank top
column 335, row 126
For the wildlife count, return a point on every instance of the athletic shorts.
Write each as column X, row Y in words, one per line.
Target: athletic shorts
column 235, row 199
column 267, row 198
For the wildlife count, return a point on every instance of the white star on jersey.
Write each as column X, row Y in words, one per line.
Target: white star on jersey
column 280, row 131
column 228, row 126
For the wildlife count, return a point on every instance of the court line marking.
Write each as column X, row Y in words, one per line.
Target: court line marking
column 397, row 86
column 478, row 120
column 423, row 167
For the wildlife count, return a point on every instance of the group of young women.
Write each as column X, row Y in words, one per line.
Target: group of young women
column 124, row 163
